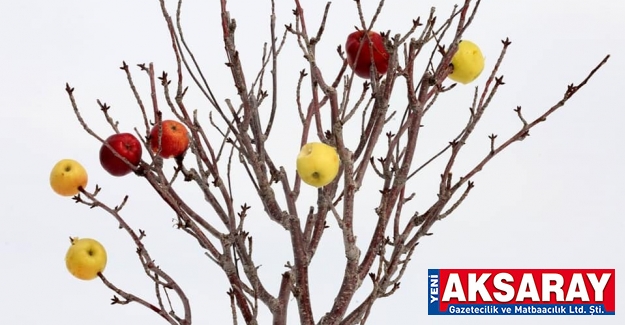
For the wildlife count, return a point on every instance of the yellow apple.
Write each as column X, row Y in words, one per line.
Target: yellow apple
column 67, row 176
column 467, row 63
column 317, row 164
column 85, row 258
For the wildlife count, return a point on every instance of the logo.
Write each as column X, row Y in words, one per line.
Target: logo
column 521, row 291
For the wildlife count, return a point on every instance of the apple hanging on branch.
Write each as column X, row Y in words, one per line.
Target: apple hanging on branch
column 85, row 258
column 174, row 139
column 467, row 63
column 67, row 177
column 318, row 164
column 127, row 146
column 360, row 49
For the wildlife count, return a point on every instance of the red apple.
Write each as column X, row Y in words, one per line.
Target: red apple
column 127, row 146
column 362, row 65
column 174, row 139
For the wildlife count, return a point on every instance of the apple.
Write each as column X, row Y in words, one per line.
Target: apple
column 174, row 139
column 127, row 146
column 85, row 258
column 362, row 64
column 67, row 176
column 467, row 63
column 317, row 164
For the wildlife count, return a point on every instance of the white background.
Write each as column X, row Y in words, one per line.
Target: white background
column 551, row 201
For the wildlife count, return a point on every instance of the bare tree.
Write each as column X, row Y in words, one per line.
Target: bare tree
column 334, row 94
